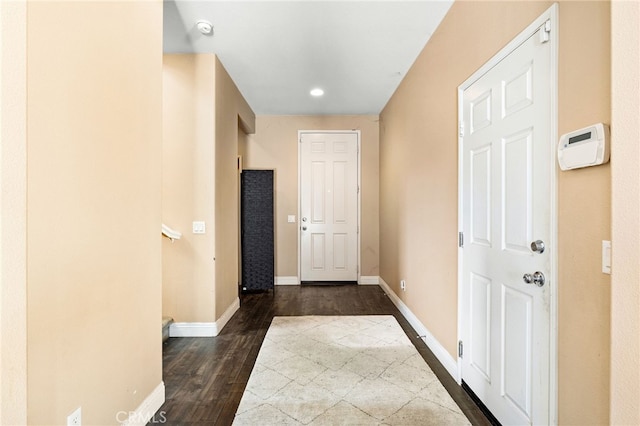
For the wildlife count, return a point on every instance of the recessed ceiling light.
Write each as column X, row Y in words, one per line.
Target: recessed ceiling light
column 317, row 92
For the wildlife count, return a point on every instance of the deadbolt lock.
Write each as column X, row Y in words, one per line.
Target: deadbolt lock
column 537, row 246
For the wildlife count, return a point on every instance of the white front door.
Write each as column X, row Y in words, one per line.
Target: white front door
column 507, row 178
column 329, row 206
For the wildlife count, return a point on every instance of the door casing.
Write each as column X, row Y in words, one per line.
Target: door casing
column 550, row 14
column 359, row 194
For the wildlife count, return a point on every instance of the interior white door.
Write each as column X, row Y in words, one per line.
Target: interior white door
column 329, row 206
column 507, row 179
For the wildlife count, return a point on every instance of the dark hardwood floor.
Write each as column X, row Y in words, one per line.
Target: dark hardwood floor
column 205, row 377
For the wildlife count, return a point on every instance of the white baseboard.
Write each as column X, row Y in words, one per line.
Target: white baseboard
column 365, row 280
column 432, row 343
column 287, row 281
column 204, row 329
column 192, row 329
column 146, row 411
column 226, row 316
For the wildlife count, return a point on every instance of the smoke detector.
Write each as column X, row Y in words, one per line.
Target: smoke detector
column 205, row 27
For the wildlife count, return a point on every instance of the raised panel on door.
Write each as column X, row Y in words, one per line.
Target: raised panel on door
column 340, row 252
column 517, row 90
column 318, row 252
column 318, row 197
column 340, row 192
column 480, row 112
column 480, row 332
column 516, row 343
column 481, row 195
column 517, row 191
column 340, row 147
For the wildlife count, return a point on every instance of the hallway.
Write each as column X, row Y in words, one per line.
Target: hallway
column 205, row 377
column 87, row 148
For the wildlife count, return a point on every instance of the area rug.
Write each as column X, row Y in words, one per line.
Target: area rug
column 343, row 370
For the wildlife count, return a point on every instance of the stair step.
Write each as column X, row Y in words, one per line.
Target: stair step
column 166, row 323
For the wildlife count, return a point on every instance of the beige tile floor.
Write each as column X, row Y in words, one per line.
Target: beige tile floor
column 349, row 370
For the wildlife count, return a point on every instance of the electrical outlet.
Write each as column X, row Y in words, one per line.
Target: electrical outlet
column 75, row 418
column 199, row 227
column 403, row 285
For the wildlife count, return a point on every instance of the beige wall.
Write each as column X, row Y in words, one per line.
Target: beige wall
column 418, row 214
column 625, row 303
column 93, row 248
column 584, row 219
column 232, row 112
column 203, row 111
column 275, row 146
column 13, row 203
column 188, row 176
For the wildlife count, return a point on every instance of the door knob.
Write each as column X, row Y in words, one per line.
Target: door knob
column 537, row 246
column 304, row 228
column 537, row 278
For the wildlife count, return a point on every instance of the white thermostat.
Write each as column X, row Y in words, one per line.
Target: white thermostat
column 585, row 147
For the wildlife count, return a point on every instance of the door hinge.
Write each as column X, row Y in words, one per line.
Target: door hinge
column 545, row 32
column 461, row 129
column 460, row 348
column 460, row 239
column 358, row 189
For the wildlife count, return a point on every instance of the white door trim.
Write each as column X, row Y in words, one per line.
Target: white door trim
column 359, row 174
column 551, row 15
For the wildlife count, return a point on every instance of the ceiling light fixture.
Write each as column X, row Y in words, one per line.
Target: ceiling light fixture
column 205, row 27
column 316, row 92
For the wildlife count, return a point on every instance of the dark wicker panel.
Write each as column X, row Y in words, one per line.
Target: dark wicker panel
column 257, row 230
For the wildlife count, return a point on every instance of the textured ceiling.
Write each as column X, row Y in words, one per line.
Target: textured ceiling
column 277, row 51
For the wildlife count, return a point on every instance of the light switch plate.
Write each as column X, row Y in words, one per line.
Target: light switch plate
column 291, row 218
column 606, row 257
column 199, row 228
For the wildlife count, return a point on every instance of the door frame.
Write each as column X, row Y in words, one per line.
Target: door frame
column 359, row 194
column 551, row 15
